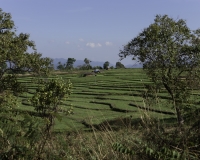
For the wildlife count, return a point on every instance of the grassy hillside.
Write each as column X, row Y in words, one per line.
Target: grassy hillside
column 108, row 96
column 113, row 118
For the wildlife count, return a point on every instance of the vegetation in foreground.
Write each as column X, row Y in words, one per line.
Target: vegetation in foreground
column 170, row 54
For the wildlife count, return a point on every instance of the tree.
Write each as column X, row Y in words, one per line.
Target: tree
column 60, row 66
column 14, row 50
column 170, row 54
column 106, row 65
column 24, row 134
column 70, row 62
column 87, row 63
column 47, row 98
column 14, row 57
column 119, row 65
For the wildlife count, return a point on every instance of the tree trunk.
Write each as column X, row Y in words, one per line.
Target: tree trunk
column 179, row 116
column 176, row 107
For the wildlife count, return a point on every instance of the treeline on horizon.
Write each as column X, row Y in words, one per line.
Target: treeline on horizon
column 69, row 65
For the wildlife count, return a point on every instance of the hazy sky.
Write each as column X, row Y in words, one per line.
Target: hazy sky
column 94, row 29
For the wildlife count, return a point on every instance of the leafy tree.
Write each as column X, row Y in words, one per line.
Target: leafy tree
column 24, row 134
column 106, row 65
column 119, row 65
column 14, row 57
column 60, row 66
column 170, row 54
column 70, row 62
column 87, row 63
column 14, row 49
column 47, row 98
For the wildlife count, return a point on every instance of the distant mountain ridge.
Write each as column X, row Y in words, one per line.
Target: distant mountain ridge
column 93, row 63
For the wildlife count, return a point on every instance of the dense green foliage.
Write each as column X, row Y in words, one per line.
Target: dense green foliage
column 24, row 135
column 170, row 53
column 66, row 66
column 106, row 65
column 87, row 63
column 13, row 50
column 119, row 65
column 70, row 62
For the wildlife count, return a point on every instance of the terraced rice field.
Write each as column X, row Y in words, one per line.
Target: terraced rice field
column 113, row 94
